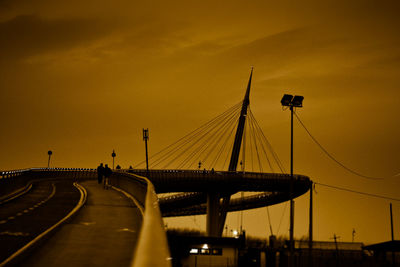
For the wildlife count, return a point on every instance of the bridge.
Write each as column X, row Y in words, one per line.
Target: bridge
column 70, row 197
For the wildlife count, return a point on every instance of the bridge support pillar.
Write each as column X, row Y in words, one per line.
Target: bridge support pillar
column 213, row 206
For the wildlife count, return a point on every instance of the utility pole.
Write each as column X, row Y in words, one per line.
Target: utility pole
column 335, row 237
column 48, row 162
column 145, row 138
column 391, row 226
column 113, row 156
column 310, row 234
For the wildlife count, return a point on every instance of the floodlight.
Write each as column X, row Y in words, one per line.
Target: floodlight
column 297, row 101
column 286, row 100
column 194, row 251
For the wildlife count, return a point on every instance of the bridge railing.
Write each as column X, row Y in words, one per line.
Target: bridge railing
column 12, row 173
column 200, row 173
column 152, row 248
column 14, row 182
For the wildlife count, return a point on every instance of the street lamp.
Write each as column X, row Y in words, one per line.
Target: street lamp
column 145, row 138
column 113, row 156
column 48, row 162
column 297, row 102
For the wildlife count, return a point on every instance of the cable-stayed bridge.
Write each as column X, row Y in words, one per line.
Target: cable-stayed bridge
column 204, row 169
column 234, row 144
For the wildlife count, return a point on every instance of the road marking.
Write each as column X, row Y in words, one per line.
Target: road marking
column 3, row 221
column 11, row 218
column 138, row 205
column 126, row 230
column 81, row 202
column 87, row 223
column 14, row 233
column 19, row 213
column 20, row 193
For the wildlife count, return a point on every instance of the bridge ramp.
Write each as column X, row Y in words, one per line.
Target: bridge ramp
column 104, row 233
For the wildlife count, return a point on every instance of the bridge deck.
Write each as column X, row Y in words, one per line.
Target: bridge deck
column 104, row 233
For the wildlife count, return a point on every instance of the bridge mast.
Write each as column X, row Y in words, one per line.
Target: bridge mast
column 216, row 211
column 239, row 131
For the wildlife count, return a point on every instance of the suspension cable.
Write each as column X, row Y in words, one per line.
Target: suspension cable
column 259, row 137
column 210, row 140
column 185, row 141
column 194, row 143
column 270, row 148
column 194, row 131
column 255, row 143
column 218, row 140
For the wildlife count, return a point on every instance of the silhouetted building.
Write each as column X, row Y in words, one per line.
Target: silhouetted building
column 383, row 253
column 204, row 251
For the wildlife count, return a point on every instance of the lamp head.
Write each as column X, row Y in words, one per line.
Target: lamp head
column 286, row 100
column 297, row 101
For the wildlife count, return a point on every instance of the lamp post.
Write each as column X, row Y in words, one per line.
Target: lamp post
column 291, row 102
column 113, row 156
column 145, row 138
column 48, row 162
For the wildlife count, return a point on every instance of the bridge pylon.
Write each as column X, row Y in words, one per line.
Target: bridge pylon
column 217, row 209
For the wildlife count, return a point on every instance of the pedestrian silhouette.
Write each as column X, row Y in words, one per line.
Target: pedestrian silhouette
column 107, row 174
column 100, row 173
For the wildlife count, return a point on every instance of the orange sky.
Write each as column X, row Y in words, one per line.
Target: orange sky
column 82, row 79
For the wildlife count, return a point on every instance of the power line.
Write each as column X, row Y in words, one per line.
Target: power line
column 331, row 157
column 358, row 192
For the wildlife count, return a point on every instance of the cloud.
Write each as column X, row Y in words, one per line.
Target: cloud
column 29, row 35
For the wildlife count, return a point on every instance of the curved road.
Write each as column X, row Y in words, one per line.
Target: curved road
column 104, row 232
column 23, row 218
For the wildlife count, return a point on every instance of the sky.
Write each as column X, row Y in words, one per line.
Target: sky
column 82, row 78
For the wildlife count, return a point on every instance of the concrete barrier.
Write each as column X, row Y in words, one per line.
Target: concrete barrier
column 152, row 248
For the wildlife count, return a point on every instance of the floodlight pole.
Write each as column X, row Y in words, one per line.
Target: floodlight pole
column 291, row 231
column 291, row 102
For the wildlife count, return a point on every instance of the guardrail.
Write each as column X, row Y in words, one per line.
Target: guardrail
column 152, row 248
column 12, row 173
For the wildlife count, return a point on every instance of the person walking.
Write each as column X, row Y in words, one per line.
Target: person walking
column 100, row 173
column 107, row 174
